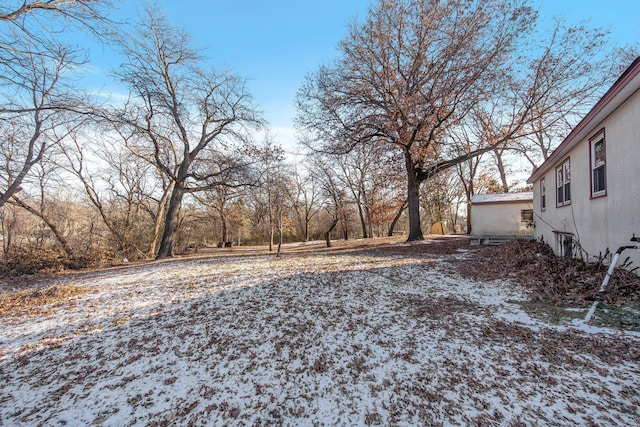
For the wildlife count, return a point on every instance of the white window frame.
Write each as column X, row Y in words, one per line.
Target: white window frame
column 597, row 166
column 563, row 183
column 543, row 195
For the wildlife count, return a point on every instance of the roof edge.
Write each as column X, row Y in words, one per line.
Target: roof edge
column 572, row 139
column 502, row 198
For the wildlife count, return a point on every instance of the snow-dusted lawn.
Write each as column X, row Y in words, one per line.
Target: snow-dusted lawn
column 345, row 337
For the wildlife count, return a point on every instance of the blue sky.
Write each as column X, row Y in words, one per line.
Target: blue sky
column 274, row 43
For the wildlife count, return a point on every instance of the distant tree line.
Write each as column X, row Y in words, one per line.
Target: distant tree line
column 427, row 104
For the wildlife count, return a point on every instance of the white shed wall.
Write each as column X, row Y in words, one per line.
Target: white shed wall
column 500, row 219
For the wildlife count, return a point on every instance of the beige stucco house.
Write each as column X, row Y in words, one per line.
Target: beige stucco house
column 499, row 217
column 587, row 193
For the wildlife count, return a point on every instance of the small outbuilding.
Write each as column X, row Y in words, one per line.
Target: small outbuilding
column 501, row 217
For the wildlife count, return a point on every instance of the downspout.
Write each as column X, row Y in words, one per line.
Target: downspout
column 605, row 282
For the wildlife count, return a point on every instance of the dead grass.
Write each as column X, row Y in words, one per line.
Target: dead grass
column 38, row 300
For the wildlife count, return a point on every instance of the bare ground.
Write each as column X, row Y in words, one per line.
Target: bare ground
column 366, row 333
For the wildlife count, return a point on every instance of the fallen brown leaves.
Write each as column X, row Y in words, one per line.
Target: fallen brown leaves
column 551, row 279
column 558, row 347
column 26, row 261
column 435, row 246
column 359, row 334
column 29, row 300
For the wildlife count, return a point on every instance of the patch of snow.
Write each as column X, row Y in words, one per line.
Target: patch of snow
column 340, row 339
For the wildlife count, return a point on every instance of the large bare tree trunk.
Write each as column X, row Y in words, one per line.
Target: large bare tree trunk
column 363, row 222
column 225, row 230
column 413, row 201
column 345, row 228
column 159, row 220
column 171, row 223
column 501, row 170
column 369, row 220
column 327, row 234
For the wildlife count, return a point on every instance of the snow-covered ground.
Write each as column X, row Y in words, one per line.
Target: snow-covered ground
column 344, row 337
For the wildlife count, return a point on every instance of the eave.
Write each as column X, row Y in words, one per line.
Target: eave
column 622, row 89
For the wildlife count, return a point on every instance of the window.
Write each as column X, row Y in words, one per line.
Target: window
column 598, row 165
column 526, row 215
column 543, row 195
column 563, row 184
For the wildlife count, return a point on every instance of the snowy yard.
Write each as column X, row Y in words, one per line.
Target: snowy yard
column 386, row 334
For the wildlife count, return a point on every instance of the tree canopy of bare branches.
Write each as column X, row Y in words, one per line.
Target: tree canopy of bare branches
column 408, row 72
column 37, row 91
column 443, row 82
column 190, row 123
column 569, row 67
column 78, row 10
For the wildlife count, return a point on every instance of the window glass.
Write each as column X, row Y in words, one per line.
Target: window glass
column 598, row 152
column 560, row 181
column 598, row 161
column 567, row 182
column 563, row 183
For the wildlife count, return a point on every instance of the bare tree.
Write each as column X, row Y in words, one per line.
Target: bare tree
column 401, row 207
column 354, row 174
column 323, row 171
column 305, row 198
column 7, row 227
column 221, row 200
column 82, row 12
column 368, row 172
column 34, row 101
column 189, row 123
column 273, row 197
column 569, row 68
column 158, row 211
column 39, row 205
column 441, row 197
column 119, row 190
column 36, row 90
column 406, row 73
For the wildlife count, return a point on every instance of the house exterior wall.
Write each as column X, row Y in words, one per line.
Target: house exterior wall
column 608, row 221
column 500, row 219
